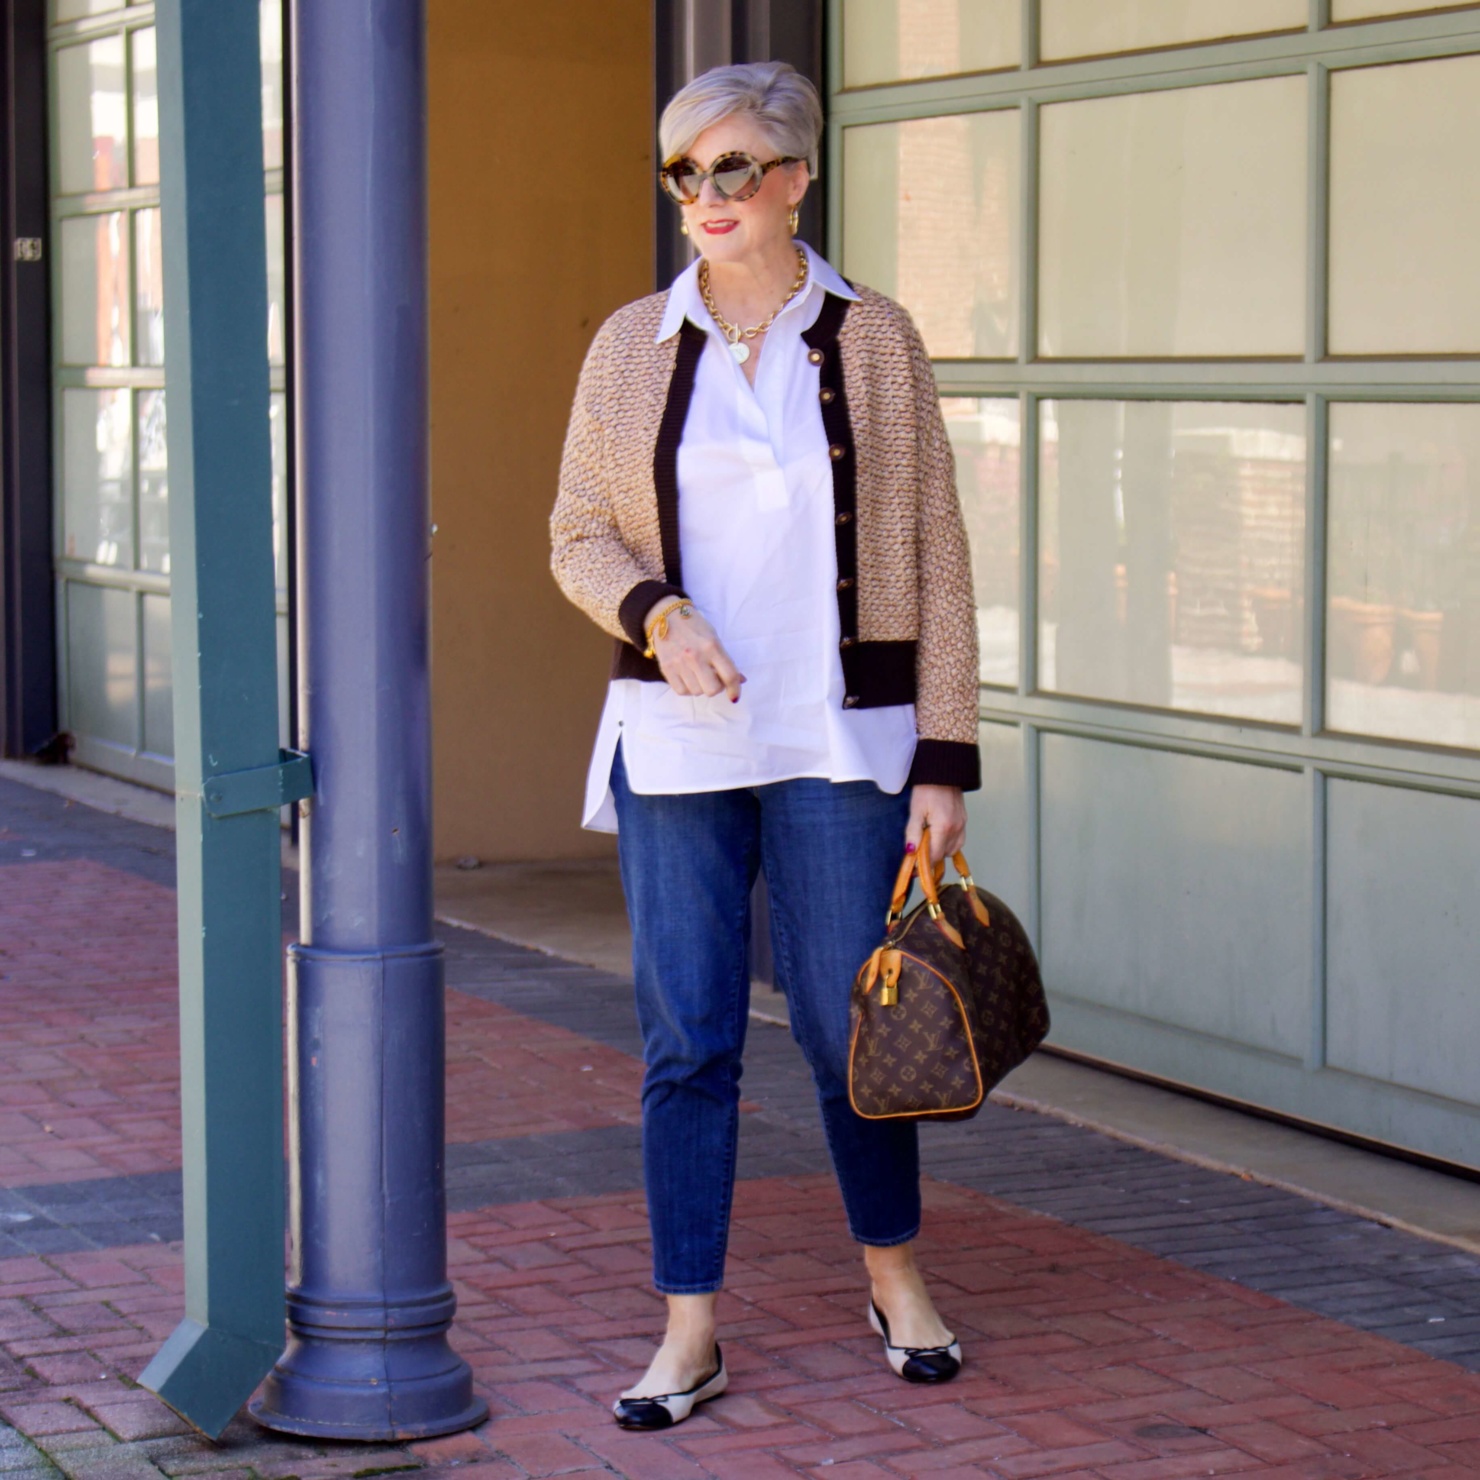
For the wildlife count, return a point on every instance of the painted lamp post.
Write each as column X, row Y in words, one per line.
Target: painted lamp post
column 369, row 1304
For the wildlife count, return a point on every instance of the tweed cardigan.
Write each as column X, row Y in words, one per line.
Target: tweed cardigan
column 907, row 615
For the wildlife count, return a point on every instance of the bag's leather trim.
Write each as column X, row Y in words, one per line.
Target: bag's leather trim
column 959, row 1111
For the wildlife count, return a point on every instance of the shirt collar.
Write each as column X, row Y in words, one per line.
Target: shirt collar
column 684, row 301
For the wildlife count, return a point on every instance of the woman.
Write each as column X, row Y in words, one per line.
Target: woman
column 757, row 500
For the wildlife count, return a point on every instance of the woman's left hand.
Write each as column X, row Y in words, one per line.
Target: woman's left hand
column 943, row 810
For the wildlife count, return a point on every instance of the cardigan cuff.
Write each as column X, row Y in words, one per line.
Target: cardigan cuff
column 637, row 603
column 946, row 763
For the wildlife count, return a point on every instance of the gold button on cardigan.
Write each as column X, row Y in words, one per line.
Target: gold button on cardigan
column 907, row 614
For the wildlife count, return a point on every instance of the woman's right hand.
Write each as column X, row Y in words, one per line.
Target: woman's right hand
column 692, row 657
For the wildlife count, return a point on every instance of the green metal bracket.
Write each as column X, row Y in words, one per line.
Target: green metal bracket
column 230, row 775
column 262, row 788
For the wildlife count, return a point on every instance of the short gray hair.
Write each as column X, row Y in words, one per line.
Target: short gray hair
column 775, row 94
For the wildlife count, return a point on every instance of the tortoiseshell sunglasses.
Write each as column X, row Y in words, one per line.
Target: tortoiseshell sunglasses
column 734, row 176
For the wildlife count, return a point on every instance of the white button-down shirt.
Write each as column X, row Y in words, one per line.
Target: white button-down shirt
column 756, row 540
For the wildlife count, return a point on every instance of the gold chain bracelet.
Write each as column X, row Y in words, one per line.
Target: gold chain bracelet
column 658, row 630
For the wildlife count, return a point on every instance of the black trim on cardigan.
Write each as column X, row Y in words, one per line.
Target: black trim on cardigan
column 636, row 604
column 878, row 674
column 946, row 763
column 665, row 450
column 822, row 343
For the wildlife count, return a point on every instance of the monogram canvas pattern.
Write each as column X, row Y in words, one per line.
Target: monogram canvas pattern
column 963, row 1019
column 914, row 570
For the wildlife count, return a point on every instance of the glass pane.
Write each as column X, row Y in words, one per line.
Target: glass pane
column 270, row 19
column 1403, row 620
column 102, row 666
column 97, row 477
column 278, row 425
column 1405, row 208
column 986, row 436
column 154, row 485
column 1171, row 567
column 71, row 10
column 276, row 283
column 149, row 287
column 159, row 706
column 888, row 40
column 1173, row 223
column 94, row 290
column 146, row 109
column 930, row 217
column 1362, row 10
column 1086, row 28
column 92, row 119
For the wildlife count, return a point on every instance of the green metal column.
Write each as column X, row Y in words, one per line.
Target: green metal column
column 230, row 776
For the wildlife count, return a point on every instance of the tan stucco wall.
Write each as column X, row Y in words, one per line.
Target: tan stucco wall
column 541, row 225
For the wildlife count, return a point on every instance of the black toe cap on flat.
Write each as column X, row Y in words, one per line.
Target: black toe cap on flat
column 931, row 1367
column 642, row 1413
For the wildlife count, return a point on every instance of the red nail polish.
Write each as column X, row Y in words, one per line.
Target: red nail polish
column 909, row 847
column 734, row 698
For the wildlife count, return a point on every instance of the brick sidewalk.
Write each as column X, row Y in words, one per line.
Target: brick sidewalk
column 1088, row 1355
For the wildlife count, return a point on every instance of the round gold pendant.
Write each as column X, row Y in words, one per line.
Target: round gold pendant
column 741, row 351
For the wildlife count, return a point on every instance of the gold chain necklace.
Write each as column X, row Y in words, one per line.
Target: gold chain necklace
column 733, row 332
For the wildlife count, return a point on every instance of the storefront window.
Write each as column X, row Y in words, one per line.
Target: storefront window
column 1403, row 576
column 1366, row 10
column 1173, row 223
column 148, row 287
column 146, row 107
column 930, row 217
column 97, row 477
column 154, row 485
column 1171, row 542
column 95, row 289
column 1086, row 28
column 1405, row 208
column 92, row 117
column 893, row 40
column 986, row 436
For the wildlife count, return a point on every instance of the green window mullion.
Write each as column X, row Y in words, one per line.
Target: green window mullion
column 1318, row 212
column 1317, row 533
column 1028, row 440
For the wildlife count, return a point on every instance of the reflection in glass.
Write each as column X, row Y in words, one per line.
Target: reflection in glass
column 154, row 485
column 277, row 279
column 1405, row 208
column 159, row 708
column 97, row 477
column 1087, row 28
column 278, row 427
column 1171, row 571
column 889, row 40
column 146, row 109
column 1173, row 223
column 94, row 290
column 270, row 22
column 1403, row 572
column 92, row 117
column 149, row 287
column 986, row 436
column 102, row 671
column 1362, row 10
column 930, row 212
column 72, row 10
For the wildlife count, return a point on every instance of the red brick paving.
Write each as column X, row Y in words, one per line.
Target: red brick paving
column 1085, row 1358
column 89, row 1039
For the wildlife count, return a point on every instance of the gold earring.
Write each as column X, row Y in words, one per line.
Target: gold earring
column 794, row 220
column 683, row 228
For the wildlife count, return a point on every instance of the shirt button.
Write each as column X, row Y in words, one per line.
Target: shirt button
column 826, row 395
column 848, row 642
column 845, row 583
column 851, row 701
column 844, row 518
column 814, row 356
column 836, row 451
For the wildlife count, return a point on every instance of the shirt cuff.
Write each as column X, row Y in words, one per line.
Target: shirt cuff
column 946, row 763
column 637, row 603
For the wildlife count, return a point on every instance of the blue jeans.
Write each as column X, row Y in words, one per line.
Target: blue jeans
column 830, row 852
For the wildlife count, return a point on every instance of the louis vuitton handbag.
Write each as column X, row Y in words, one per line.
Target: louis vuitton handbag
column 947, row 1006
